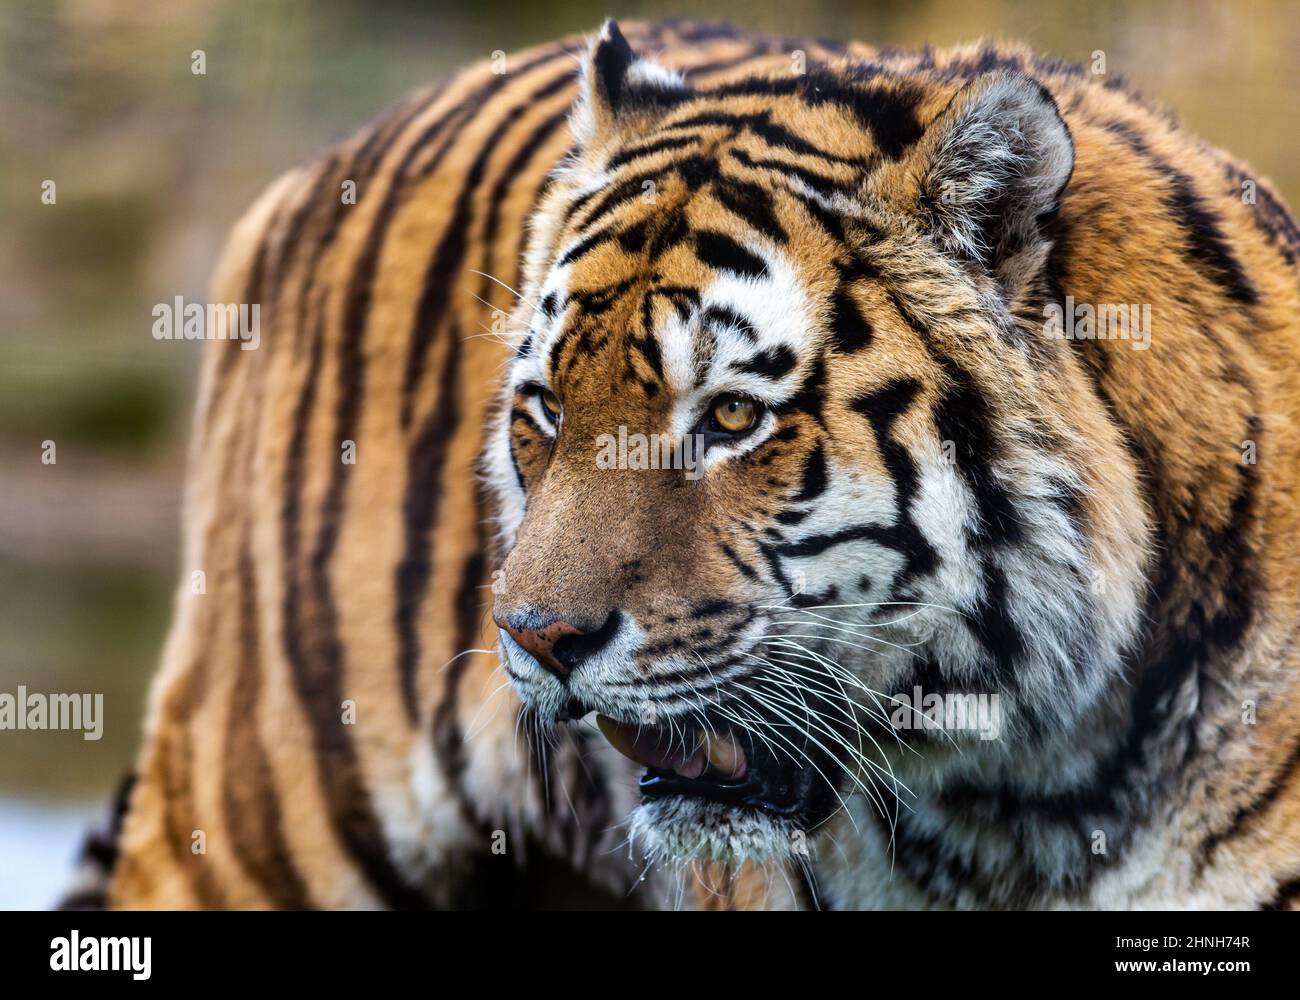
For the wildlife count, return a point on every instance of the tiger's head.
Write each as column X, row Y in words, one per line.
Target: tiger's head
column 783, row 440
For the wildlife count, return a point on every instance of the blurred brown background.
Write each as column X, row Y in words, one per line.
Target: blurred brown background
column 153, row 163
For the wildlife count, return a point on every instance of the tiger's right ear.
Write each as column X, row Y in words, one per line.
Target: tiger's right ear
column 618, row 88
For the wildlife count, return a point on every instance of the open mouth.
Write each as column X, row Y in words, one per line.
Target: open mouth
column 724, row 766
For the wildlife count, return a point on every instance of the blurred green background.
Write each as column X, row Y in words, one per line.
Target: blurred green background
column 153, row 163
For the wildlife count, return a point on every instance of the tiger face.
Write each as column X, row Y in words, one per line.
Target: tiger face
column 782, row 440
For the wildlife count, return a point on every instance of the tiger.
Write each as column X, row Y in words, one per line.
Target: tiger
column 644, row 484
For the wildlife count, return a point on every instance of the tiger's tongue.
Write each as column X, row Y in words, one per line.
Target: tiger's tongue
column 652, row 747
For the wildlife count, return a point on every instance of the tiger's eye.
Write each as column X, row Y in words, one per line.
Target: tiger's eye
column 733, row 414
column 551, row 404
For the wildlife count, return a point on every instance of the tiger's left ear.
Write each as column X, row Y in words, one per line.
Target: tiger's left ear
column 618, row 89
column 991, row 169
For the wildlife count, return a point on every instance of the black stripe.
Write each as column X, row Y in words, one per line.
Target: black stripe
column 887, row 112
column 722, row 253
column 816, row 600
column 963, row 416
column 746, row 570
column 823, row 185
column 1260, row 804
column 781, row 137
column 252, row 805
column 672, row 232
column 993, row 626
column 648, row 348
column 585, row 246
column 315, row 653
column 714, row 607
column 774, row 363
column 1286, row 897
column 446, row 263
column 518, row 415
column 1206, row 244
column 510, row 174
column 296, row 246
column 84, row 900
column 624, row 191
column 682, row 681
column 254, row 286
column 1268, row 214
column 694, row 172
column 102, row 853
column 761, row 125
column 292, row 245
column 448, row 739
column 751, row 203
column 360, row 167
column 706, row 119
column 420, row 507
column 249, row 794
column 850, row 329
column 828, row 220
column 102, row 850
column 632, row 239
column 882, row 408
column 649, row 149
column 725, row 318
column 315, row 659
column 942, row 871
column 811, row 396
column 814, row 476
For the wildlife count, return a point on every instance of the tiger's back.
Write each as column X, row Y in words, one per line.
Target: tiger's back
column 330, row 728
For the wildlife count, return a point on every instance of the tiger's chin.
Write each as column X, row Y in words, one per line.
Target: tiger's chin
column 681, row 830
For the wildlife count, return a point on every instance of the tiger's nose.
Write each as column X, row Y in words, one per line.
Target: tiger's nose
column 558, row 645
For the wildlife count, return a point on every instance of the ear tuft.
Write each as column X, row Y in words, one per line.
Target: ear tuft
column 615, row 84
column 992, row 165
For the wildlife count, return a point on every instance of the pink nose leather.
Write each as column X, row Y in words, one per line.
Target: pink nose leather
column 540, row 642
